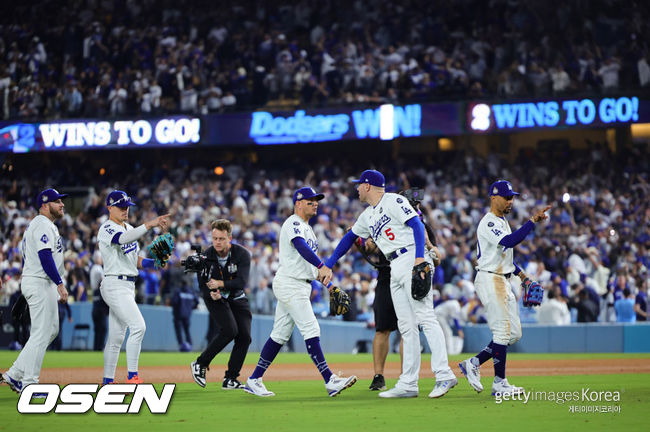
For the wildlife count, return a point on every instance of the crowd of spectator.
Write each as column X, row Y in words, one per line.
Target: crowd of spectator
column 592, row 256
column 97, row 58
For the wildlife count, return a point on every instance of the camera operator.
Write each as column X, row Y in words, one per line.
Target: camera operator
column 222, row 281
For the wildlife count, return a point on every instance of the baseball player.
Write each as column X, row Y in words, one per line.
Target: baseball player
column 119, row 249
column 299, row 265
column 41, row 284
column 448, row 312
column 495, row 266
column 394, row 226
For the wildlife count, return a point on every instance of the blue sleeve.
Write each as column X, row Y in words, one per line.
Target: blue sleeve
column 344, row 245
column 116, row 238
column 147, row 263
column 517, row 269
column 418, row 232
column 45, row 255
column 512, row 240
column 305, row 251
column 457, row 324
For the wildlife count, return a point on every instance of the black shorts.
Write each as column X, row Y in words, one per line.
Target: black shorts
column 385, row 318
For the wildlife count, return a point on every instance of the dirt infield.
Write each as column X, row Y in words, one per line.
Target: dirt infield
column 296, row 372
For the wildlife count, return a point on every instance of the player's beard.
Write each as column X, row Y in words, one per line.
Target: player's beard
column 56, row 211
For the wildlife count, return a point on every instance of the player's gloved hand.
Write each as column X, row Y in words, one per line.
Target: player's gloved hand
column 161, row 249
column 532, row 292
column 339, row 301
column 421, row 281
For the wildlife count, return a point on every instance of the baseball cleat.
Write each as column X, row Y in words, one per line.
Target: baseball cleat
column 472, row 373
column 135, row 380
column 398, row 393
column 378, row 383
column 198, row 373
column 337, row 384
column 14, row 385
column 442, row 387
column 232, row 384
column 503, row 387
column 256, row 387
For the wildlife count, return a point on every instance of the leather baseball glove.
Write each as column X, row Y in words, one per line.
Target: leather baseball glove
column 161, row 249
column 421, row 281
column 532, row 292
column 339, row 301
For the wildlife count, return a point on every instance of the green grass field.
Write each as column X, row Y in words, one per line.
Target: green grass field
column 304, row 405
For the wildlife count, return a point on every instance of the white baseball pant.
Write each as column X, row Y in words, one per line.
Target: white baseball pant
column 41, row 296
column 411, row 313
column 501, row 307
column 124, row 313
column 293, row 308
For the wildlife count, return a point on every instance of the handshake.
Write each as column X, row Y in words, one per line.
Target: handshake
column 324, row 274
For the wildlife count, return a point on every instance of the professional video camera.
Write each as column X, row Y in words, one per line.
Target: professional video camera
column 194, row 263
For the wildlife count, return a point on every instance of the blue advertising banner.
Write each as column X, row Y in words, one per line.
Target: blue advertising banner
column 94, row 134
column 385, row 122
column 560, row 113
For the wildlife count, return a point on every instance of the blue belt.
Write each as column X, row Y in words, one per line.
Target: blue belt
column 127, row 278
column 391, row 256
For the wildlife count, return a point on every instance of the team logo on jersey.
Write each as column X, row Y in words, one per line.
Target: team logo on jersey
column 490, row 224
column 313, row 245
column 129, row 247
column 232, row 268
column 296, row 223
column 44, row 239
column 296, row 231
column 375, row 230
column 400, row 200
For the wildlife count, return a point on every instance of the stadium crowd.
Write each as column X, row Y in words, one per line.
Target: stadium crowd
column 97, row 58
column 593, row 256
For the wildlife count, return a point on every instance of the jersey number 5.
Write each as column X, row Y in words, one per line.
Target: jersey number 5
column 389, row 234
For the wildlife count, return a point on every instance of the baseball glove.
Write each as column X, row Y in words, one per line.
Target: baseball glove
column 161, row 249
column 532, row 292
column 421, row 281
column 339, row 301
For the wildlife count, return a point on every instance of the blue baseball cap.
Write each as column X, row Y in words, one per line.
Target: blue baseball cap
column 502, row 188
column 47, row 196
column 372, row 177
column 306, row 193
column 119, row 198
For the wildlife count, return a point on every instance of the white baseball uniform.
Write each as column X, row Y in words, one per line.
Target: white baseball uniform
column 41, row 295
column 495, row 265
column 291, row 284
column 120, row 263
column 386, row 224
column 447, row 312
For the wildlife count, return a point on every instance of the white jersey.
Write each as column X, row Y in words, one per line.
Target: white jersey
column 449, row 310
column 41, row 233
column 292, row 264
column 386, row 223
column 490, row 254
column 119, row 259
